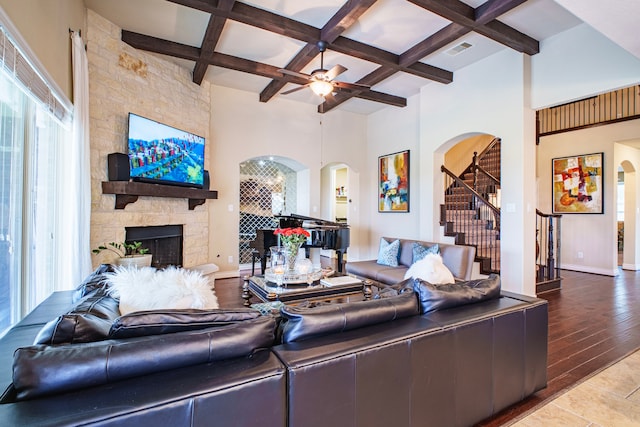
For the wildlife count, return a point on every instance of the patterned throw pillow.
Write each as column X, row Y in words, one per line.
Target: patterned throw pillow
column 388, row 253
column 420, row 251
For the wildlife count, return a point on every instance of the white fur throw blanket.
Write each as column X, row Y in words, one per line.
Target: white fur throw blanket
column 430, row 269
column 149, row 289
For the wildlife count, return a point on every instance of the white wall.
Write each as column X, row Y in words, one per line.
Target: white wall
column 389, row 131
column 594, row 235
column 243, row 128
column 487, row 97
column 44, row 26
column 579, row 63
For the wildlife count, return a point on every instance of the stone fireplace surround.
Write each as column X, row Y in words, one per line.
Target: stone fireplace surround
column 116, row 89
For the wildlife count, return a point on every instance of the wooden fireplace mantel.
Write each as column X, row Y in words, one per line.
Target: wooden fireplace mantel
column 128, row 191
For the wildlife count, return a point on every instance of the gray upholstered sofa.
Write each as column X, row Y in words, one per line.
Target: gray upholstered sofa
column 458, row 259
column 371, row 363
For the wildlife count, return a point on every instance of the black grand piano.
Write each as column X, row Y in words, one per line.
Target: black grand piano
column 324, row 234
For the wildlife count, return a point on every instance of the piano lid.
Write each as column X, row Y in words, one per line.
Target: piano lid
column 308, row 222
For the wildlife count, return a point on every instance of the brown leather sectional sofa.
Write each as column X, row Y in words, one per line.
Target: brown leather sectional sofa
column 379, row 363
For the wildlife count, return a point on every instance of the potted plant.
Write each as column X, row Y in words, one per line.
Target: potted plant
column 128, row 253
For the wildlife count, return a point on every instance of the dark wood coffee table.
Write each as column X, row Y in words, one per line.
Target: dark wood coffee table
column 267, row 291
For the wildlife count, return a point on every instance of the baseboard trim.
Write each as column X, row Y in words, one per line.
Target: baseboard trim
column 587, row 269
column 632, row 267
column 226, row 274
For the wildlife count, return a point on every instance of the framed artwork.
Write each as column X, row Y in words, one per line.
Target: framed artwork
column 577, row 184
column 393, row 182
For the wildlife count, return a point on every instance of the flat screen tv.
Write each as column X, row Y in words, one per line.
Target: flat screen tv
column 162, row 154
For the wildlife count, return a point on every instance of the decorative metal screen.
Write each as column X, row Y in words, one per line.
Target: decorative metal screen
column 267, row 188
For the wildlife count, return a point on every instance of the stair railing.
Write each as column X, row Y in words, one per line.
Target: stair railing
column 548, row 232
column 473, row 220
column 483, row 181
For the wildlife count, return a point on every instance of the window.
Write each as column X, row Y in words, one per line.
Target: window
column 33, row 131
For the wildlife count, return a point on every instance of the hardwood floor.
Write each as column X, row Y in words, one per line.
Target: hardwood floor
column 593, row 321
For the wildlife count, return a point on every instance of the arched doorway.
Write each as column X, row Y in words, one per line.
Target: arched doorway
column 627, row 218
column 268, row 187
column 340, row 187
column 471, row 209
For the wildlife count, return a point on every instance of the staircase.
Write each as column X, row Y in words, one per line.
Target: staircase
column 471, row 210
column 471, row 214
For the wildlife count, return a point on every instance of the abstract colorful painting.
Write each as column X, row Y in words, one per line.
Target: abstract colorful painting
column 393, row 182
column 577, row 184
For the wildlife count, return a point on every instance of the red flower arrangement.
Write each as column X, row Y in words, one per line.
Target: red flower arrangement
column 292, row 236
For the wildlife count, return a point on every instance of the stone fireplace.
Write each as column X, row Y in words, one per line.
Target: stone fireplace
column 116, row 90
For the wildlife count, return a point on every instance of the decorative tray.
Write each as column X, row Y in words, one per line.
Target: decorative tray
column 292, row 278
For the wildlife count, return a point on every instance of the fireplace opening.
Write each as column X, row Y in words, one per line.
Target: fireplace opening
column 163, row 241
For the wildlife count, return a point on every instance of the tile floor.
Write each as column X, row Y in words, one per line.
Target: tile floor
column 611, row 398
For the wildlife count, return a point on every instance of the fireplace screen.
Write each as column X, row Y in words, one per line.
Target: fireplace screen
column 164, row 243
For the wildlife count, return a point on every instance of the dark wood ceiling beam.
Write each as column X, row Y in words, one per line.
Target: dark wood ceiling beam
column 464, row 19
column 344, row 18
column 375, row 77
column 252, row 67
column 258, row 18
column 492, row 9
column 203, row 5
column 211, row 37
column 164, row 47
column 431, row 44
column 372, row 95
column 337, row 24
column 269, row 71
column 453, row 10
column 274, row 23
column 463, row 14
column 269, row 21
column 382, row 57
column 509, row 37
column 302, row 58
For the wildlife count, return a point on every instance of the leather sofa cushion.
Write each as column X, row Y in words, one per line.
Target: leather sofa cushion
column 90, row 320
column 307, row 322
column 92, row 282
column 157, row 322
column 41, row 370
column 438, row 297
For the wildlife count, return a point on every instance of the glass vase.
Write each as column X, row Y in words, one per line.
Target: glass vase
column 291, row 255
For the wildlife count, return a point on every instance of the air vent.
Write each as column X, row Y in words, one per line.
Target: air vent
column 456, row 50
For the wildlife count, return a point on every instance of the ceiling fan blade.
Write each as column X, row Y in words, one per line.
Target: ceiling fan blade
column 294, row 73
column 335, row 71
column 350, row 86
column 328, row 98
column 294, row 90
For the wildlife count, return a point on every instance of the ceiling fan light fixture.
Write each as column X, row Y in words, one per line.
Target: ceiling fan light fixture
column 321, row 87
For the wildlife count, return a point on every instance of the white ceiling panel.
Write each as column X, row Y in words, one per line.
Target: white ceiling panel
column 245, row 41
column 395, row 25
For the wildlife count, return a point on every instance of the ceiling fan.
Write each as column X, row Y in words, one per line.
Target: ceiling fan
column 322, row 81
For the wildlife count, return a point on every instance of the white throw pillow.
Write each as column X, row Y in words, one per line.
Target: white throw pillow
column 430, row 269
column 149, row 289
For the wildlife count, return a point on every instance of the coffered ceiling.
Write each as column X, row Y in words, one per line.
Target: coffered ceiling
column 392, row 46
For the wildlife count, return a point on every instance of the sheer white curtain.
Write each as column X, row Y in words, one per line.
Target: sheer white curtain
column 75, row 222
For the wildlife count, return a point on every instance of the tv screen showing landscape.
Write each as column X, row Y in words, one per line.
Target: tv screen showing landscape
column 163, row 154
